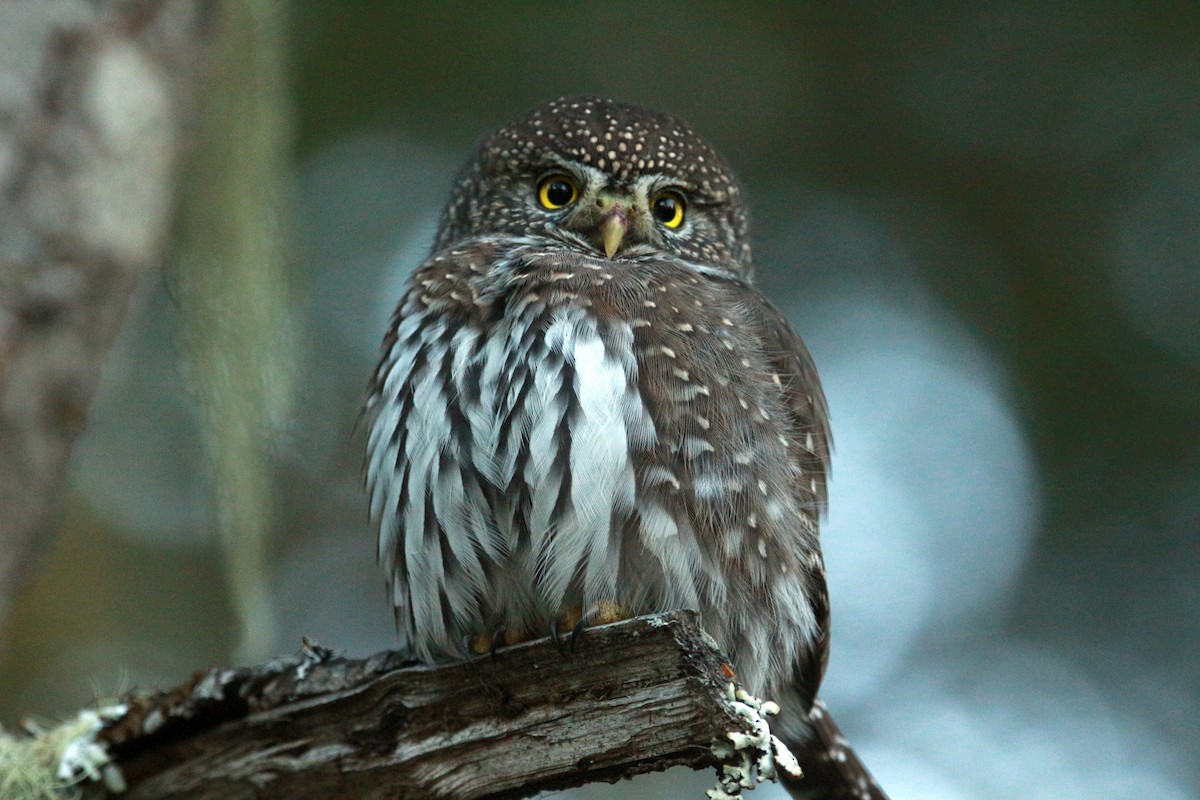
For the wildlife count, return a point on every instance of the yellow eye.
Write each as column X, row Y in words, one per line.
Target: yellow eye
column 667, row 208
column 556, row 191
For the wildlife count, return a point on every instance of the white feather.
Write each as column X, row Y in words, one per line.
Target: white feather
column 602, row 474
column 604, row 412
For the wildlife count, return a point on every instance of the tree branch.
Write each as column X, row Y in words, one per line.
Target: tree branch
column 623, row 699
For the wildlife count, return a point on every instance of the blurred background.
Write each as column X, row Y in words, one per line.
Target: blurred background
column 985, row 221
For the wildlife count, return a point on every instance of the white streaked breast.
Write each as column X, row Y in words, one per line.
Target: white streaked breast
column 574, row 408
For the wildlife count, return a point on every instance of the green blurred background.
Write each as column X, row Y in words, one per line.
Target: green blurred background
column 984, row 218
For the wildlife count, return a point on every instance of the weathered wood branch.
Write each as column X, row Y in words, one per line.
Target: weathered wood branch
column 623, row 699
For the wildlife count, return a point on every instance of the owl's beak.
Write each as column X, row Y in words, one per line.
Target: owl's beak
column 613, row 225
column 612, row 231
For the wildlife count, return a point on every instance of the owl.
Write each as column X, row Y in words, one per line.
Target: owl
column 585, row 411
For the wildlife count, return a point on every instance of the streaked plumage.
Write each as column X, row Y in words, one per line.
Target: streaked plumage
column 551, row 428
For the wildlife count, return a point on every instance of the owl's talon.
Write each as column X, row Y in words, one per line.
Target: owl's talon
column 569, row 618
column 555, row 634
column 499, row 636
column 467, row 645
column 577, row 631
column 602, row 612
column 489, row 644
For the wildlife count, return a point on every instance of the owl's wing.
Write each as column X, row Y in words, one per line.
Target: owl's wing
column 809, row 415
column 832, row 768
column 810, row 441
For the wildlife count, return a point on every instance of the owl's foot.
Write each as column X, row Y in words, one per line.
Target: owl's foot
column 486, row 644
column 575, row 619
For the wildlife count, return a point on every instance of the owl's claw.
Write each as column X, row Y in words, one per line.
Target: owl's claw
column 499, row 637
column 577, row 620
column 555, row 631
column 578, row 629
column 466, row 646
column 604, row 612
column 488, row 644
column 568, row 619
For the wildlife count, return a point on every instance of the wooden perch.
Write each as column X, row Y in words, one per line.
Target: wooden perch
column 623, row 699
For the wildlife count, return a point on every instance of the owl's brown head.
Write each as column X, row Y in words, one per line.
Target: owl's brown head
column 620, row 181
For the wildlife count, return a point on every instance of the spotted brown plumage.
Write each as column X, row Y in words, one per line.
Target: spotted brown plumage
column 585, row 409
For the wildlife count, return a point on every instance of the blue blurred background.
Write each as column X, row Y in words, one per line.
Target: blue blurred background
column 983, row 218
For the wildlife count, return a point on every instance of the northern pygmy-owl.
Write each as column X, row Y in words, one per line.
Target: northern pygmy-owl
column 585, row 411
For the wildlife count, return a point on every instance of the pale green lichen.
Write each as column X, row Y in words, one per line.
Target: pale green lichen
column 754, row 757
column 50, row 764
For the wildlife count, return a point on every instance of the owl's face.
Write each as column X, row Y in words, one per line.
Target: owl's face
column 614, row 180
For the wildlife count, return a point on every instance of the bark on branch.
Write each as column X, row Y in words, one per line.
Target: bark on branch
column 634, row 697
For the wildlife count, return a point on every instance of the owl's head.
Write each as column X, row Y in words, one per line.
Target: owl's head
column 620, row 181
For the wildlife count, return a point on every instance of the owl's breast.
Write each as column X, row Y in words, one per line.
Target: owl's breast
column 557, row 414
column 573, row 432
column 500, row 462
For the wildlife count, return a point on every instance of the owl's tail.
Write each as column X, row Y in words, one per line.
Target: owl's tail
column 832, row 770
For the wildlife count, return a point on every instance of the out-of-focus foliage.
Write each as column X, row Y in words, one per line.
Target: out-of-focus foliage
column 985, row 221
